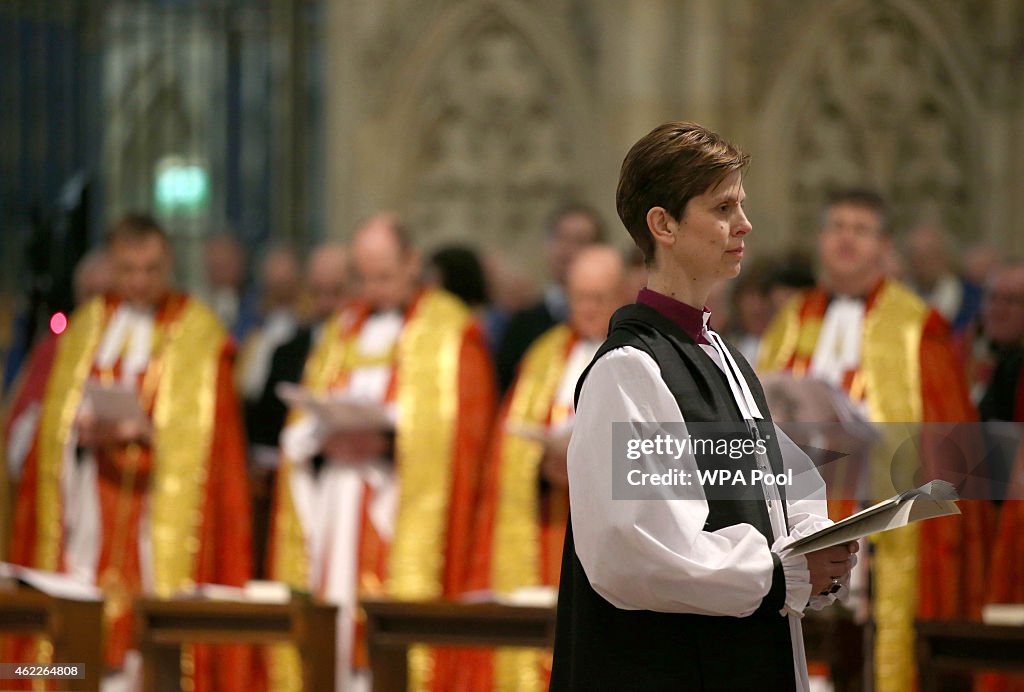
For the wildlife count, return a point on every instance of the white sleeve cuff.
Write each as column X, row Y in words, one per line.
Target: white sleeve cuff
column 302, row 439
column 798, row 578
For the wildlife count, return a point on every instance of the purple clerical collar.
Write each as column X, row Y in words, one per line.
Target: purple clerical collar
column 690, row 319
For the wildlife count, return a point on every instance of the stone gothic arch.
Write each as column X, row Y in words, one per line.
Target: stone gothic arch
column 875, row 94
column 486, row 127
column 149, row 119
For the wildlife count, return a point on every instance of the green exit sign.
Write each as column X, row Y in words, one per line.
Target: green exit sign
column 182, row 187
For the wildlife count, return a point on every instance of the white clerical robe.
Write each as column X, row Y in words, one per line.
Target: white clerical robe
column 329, row 503
column 654, row 555
column 128, row 340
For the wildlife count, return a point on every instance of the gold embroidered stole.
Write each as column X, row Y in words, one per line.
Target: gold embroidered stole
column 183, row 420
column 428, row 402
column 71, row 366
column 427, row 397
column 290, row 561
column 516, row 543
column 889, row 382
column 184, row 416
column 789, row 341
column 778, row 344
column 891, row 367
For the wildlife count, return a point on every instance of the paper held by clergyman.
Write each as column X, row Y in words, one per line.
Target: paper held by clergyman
column 336, row 412
column 112, row 403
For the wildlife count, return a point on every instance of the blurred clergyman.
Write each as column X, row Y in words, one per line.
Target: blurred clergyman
column 525, row 498
column 930, row 256
column 224, row 261
column 997, row 366
column 145, row 501
column 377, row 498
column 871, row 337
column 570, row 229
column 92, row 277
column 279, row 289
column 327, row 286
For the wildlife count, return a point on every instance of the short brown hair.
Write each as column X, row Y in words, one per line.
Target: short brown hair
column 859, row 197
column 673, row 163
column 135, row 226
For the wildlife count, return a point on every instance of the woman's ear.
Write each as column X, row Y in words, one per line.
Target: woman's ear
column 661, row 225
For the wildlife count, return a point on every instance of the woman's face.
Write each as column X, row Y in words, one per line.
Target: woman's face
column 709, row 236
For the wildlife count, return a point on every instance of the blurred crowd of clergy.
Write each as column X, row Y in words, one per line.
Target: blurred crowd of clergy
column 446, row 476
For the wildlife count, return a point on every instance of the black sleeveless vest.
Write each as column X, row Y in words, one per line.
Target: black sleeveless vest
column 601, row 647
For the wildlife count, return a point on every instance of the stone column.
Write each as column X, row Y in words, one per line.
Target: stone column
column 1004, row 131
column 702, row 59
column 647, row 70
column 340, row 112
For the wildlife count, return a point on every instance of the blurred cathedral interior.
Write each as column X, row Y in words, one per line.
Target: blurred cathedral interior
column 271, row 128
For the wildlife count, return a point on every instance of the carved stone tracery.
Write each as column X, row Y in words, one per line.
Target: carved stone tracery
column 492, row 157
column 882, row 110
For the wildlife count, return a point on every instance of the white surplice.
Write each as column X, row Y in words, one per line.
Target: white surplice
column 127, row 340
column 838, row 349
column 329, row 503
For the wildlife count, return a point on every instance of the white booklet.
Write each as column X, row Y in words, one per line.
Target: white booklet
column 112, row 403
column 55, row 584
column 933, row 499
column 557, row 436
column 254, row 591
column 1010, row 614
column 336, row 412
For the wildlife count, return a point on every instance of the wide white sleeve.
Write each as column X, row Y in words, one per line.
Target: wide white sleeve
column 655, row 554
column 806, row 500
column 807, row 509
column 302, row 439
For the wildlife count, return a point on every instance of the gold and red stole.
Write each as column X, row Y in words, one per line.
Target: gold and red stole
column 1007, row 578
column 893, row 382
column 182, row 387
column 5, row 503
column 889, row 368
column 526, row 531
column 525, row 546
column 426, row 392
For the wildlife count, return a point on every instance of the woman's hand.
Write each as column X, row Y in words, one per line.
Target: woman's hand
column 827, row 563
